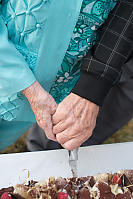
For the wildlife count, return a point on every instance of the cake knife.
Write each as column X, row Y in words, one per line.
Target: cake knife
column 73, row 162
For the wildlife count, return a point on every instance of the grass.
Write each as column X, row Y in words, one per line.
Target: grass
column 18, row 146
column 125, row 134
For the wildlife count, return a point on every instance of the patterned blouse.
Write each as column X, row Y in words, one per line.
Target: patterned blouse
column 93, row 13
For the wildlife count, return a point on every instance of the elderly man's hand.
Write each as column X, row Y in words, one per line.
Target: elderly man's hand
column 43, row 106
column 74, row 121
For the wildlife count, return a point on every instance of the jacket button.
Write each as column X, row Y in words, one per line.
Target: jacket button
column 22, row 34
column 27, row 12
column 38, row 25
column 13, row 16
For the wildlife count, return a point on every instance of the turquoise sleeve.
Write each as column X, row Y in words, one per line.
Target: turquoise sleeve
column 15, row 75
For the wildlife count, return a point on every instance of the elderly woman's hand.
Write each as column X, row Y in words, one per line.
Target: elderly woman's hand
column 43, row 106
column 74, row 121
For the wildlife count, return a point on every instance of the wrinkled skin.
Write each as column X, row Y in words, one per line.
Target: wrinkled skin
column 74, row 121
column 70, row 123
column 43, row 106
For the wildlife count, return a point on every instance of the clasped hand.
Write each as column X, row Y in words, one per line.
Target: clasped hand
column 74, row 121
column 70, row 123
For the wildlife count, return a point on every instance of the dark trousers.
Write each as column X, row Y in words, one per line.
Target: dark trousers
column 116, row 112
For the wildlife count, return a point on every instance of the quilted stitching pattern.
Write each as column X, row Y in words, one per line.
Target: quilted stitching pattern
column 25, row 22
column 9, row 112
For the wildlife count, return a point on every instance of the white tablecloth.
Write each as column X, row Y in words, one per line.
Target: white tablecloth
column 93, row 159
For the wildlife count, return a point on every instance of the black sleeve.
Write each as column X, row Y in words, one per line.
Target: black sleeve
column 102, row 66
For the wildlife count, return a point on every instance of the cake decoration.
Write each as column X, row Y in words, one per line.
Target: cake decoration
column 102, row 186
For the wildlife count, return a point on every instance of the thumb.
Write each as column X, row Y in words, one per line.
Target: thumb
column 48, row 128
column 54, row 108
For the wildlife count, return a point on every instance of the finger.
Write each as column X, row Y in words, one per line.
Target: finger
column 67, row 135
column 58, row 116
column 49, row 134
column 73, row 143
column 54, row 108
column 77, row 141
column 62, row 125
column 46, row 125
column 64, row 110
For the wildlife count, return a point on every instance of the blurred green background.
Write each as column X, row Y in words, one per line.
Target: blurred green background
column 125, row 134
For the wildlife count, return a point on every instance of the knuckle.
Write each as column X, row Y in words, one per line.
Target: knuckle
column 68, row 147
column 45, row 124
column 39, row 123
column 53, row 110
column 60, row 139
column 63, row 112
column 54, row 120
column 55, row 130
column 63, row 115
column 48, row 136
column 75, row 129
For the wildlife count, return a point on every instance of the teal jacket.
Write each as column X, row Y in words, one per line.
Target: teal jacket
column 34, row 37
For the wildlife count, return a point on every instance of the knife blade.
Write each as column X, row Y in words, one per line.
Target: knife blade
column 73, row 162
